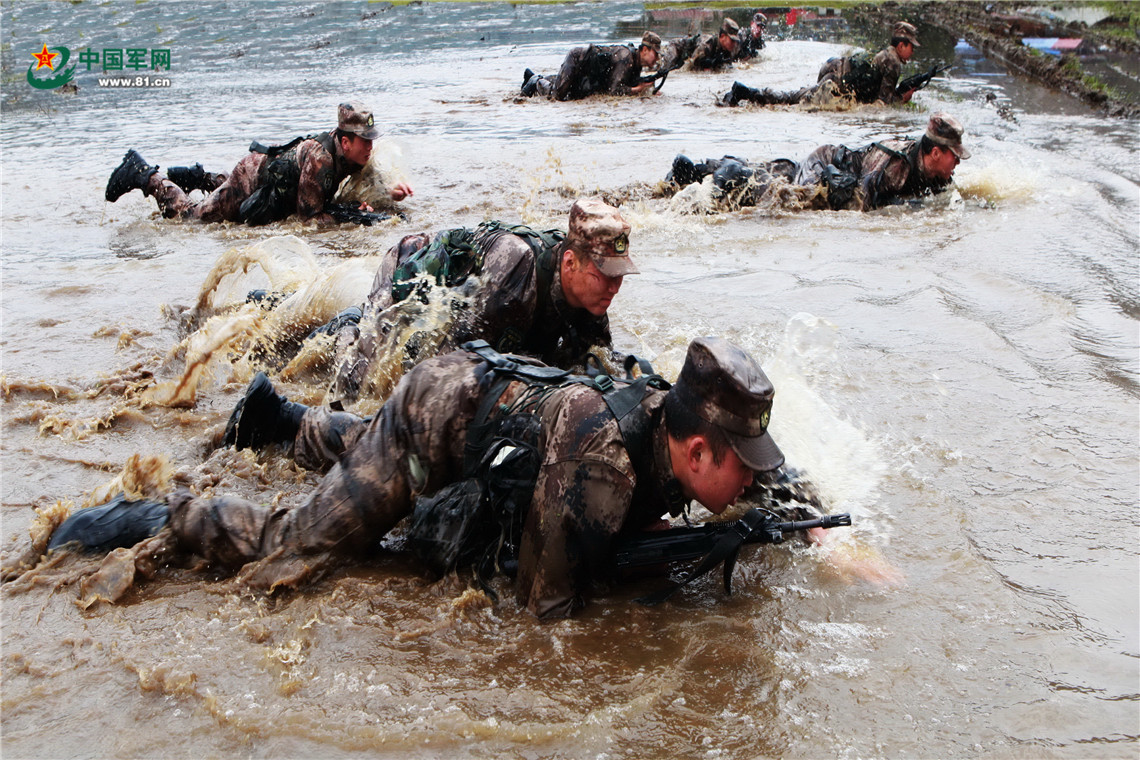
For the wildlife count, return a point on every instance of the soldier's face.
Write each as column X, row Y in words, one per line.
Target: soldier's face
column 905, row 51
column 648, row 57
column 728, row 42
column 356, row 149
column 585, row 287
column 716, row 486
column 941, row 162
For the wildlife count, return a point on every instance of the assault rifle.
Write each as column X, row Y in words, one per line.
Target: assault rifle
column 661, row 75
column 918, row 81
column 345, row 212
column 712, row 543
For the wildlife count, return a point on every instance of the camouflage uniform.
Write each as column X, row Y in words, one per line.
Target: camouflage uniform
column 510, row 310
column 703, row 52
column 595, row 69
column 886, row 64
column 886, row 67
column 321, row 164
column 883, row 172
column 588, row 490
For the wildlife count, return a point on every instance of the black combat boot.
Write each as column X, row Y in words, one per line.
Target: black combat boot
column 117, row 523
column 684, row 171
column 132, row 174
column 530, row 83
column 738, row 93
column 263, row 417
column 194, row 178
column 350, row 316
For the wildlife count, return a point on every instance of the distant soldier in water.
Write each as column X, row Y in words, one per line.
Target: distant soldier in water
column 269, row 184
column 704, row 52
column 876, row 175
column 598, row 69
column 751, row 40
column 866, row 79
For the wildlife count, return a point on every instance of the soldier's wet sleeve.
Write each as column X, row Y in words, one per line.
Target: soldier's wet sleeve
column 316, row 166
column 883, row 179
column 579, row 508
column 889, row 66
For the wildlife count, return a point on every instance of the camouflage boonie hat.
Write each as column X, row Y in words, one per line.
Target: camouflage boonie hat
column 599, row 231
column 723, row 385
column 946, row 131
column 905, row 31
column 730, row 27
column 355, row 119
column 652, row 41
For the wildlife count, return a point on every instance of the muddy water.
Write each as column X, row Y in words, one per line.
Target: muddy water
column 961, row 377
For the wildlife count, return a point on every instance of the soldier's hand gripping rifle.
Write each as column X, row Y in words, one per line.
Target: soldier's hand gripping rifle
column 918, row 81
column 345, row 212
column 712, row 543
column 660, row 77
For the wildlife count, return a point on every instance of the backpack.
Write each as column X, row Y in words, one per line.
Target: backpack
column 455, row 255
column 862, row 78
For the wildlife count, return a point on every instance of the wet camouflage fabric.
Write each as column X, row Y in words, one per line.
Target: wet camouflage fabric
column 606, row 69
column 588, row 491
column 321, row 174
column 507, row 311
column 883, row 176
column 886, row 63
column 699, row 51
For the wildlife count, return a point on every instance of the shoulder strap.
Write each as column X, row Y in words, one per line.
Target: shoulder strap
column 889, row 151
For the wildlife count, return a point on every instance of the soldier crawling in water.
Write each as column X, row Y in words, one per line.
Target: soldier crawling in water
column 269, row 184
column 509, row 463
column 598, row 69
column 860, row 76
column 861, row 179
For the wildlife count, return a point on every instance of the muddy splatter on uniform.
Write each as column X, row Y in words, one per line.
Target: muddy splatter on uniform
column 513, row 309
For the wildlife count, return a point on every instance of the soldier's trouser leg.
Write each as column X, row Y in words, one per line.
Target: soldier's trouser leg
column 324, row 436
column 221, row 205
column 360, row 499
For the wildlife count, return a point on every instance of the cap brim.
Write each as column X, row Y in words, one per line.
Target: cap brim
column 759, row 454
column 961, row 152
column 614, row 266
column 370, row 134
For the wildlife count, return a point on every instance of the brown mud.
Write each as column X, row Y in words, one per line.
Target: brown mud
column 996, row 29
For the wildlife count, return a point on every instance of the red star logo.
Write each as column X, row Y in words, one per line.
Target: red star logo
column 44, row 58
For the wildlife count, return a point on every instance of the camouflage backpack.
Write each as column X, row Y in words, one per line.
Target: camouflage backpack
column 456, row 254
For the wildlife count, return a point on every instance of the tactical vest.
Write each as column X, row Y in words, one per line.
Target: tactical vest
column 479, row 519
column 279, row 178
column 862, row 79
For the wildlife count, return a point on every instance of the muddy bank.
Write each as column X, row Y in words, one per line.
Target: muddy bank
column 996, row 29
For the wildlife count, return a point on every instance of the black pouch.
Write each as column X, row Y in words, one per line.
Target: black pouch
column 447, row 526
column 275, row 197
